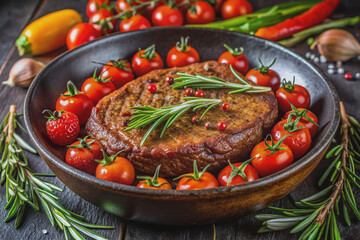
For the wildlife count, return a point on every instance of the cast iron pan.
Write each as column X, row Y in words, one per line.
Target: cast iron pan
column 178, row 207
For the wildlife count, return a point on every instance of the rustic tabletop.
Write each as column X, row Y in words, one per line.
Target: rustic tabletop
column 15, row 15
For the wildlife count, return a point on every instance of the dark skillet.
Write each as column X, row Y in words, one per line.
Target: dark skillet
column 179, row 207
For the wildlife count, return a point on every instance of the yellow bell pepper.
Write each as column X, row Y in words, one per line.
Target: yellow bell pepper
column 47, row 33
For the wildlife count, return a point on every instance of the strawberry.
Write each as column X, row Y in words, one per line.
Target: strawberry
column 62, row 127
column 83, row 153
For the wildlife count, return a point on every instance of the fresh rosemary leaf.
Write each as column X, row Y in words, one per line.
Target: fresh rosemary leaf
column 264, row 217
column 332, row 151
column 47, row 211
column 23, row 144
column 345, row 211
column 305, row 222
column 319, row 195
column 146, row 115
column 75, row 234
column 88, row 232
column 308, row 231
column 328, row 170
column 19, row 216
column 210, row 82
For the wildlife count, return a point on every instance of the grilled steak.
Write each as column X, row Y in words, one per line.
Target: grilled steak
column 250, row 116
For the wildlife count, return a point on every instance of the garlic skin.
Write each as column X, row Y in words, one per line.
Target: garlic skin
column 23, row 72
column 337, row 45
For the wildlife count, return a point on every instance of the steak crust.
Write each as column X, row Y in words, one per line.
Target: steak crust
column 249, row 118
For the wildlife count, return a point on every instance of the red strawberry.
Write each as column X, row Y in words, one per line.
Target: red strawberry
column 62, row 127
column 83, row 153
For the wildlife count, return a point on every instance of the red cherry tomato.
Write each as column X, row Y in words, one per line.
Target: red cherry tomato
column 146, row 60
column 182, row 54
column 115, row 169
column 271, row 158
column 167, row 16
column 264, row 76
column 249, row 172
column 118, row 72
column 310, row 120
column 94, row 5
column 299, row 141
column 296, row 94
column 235, row 8
column 200, row 12
column 96, row 88
column 106, row 26
column 81, row 33
column 196, row 180
column 154, row 182
column 122, row 6
column 133, row 23
column 75, row 102
column 235, row 58
column 82, row 155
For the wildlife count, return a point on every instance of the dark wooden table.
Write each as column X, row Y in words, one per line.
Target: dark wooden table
column 14, row 16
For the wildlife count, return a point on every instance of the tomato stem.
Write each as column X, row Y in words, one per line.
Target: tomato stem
column 83, row 143
column 300, row 114
column 107, row 160
column 183, row 45
column 265, row 69
column 195, row 175
column 152, row 181
column 274, row 148
column 52, row 115
column 72, row 90
column 148, row 53
column 234, row 51
column 238, row 171
column 288, row 85
column 99, row 79
column 291, row 126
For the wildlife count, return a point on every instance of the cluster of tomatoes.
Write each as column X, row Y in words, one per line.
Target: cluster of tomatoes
column 289, row 140
column 141, row 14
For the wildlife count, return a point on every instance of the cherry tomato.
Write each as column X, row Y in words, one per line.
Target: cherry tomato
column 96, row 88
column 105, row 27
column 94, row 5
column 82, row 155
column 154, row 182
column 118, row 72
column 235, row 8
column 115, row 169
column 149, row 9
column 167, row 16
column 122, row 6
column 196, row 180
column 146, row 60
column 300, row 139
column 296, row 94
column 248, row 171
column 75, row 102
column 200, row 12
column 307, row 117
column 133, row 23
column 264, row 76
column 270, row 157
column 182, row 54
column 235, row 58
column 184, row 4
column 81, row 33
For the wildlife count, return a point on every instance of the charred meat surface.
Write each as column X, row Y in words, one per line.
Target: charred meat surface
column 249, row 118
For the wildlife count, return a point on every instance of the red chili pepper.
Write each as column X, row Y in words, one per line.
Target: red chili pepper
column 312, row 17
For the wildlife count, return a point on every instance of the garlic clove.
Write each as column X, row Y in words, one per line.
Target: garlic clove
column 337, row 45
column 23, row 72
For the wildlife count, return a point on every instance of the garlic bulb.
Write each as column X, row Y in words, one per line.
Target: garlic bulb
column 337, row 45
column 23, row 72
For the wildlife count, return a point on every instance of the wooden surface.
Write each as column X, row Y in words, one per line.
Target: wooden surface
column 14, row 16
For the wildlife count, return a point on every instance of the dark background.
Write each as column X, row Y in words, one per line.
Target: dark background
column 16, row 14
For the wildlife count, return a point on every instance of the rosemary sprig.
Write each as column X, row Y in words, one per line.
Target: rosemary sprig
column 145, row 115
column 316, row 216
column 26, row 188
column 211, row 82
